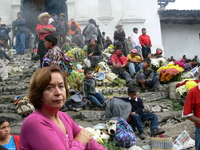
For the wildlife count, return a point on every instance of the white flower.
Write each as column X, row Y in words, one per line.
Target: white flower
column 181, row 90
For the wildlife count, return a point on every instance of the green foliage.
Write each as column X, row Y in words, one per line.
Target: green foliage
column 118, row 82
column 111, row 145
column 176, row 105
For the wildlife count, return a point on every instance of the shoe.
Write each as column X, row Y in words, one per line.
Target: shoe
column 157, row 132
column 155, row 90
column 129, row 83
column 144, row 90
column 142, row 135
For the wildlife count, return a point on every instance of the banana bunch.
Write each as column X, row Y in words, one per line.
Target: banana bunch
column 75, row 80
column 118, row 82
column 111, row 76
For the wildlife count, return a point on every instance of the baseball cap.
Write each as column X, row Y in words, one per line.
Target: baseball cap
column 134, row 51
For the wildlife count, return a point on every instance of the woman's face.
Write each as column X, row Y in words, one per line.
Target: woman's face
column 54, row 95
column 4, row 130
column 92, row 42
column 48, row 44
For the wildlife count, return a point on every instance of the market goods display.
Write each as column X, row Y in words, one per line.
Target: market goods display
column 75, row 80
column 77, row 54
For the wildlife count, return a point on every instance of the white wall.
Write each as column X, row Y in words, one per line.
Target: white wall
column 179, row 40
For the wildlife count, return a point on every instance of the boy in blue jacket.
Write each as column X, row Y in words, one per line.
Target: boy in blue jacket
column 138, row 115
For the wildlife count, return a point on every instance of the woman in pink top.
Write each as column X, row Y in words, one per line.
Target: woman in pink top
column 48, row 128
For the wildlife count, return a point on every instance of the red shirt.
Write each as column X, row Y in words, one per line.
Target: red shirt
column 40, row 26
column 121, row 60
column 192, row 103
column 145, row 39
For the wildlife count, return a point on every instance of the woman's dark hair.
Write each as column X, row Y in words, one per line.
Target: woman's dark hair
column 147, row 60
column 184, row 56
column 131, row 89
column 87, row 70
column 93, row 22
column 2, row 120
column 91, row 40
column 119, row 46
column 51, row 38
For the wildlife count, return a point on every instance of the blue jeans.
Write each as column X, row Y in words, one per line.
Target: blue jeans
column 133, row 68
column 137, row 120
column 197, row 138
column 96, row 99
column 20, row 43
column 138, row 49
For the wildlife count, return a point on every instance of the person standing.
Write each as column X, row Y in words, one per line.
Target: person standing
column 91, row 31
column 58, row 31
column 64, row 27
column 135, row 40
column 73, row 27
column 103, row 39
column 19, row 32
column 43, row 29
column 191, row 111
column 145, row 42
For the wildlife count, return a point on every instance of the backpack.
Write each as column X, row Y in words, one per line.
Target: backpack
column 124, row 136
column 73, row 26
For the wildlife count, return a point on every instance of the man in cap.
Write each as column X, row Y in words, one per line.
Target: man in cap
column 145, row 42
column 64, row 27
column 43, row 29
column 158, row 53
column 134, row 62
column 19, row 32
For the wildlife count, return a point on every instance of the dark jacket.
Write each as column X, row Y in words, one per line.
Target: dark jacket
column 89, row 87
column 119, row 35
column 3, row 54
column 65, row 28
column 137, row 104
column 19, row 25
column 57, row 25
column 4, row 32
column 149, row 74
column 96, row 50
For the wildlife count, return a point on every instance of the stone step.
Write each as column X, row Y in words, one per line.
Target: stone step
column 14, row 90
column 8, row 108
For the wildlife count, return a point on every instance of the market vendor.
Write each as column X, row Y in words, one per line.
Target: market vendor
column 158, row 53
column 119, row 66
column 134, row 62
column 94, row 52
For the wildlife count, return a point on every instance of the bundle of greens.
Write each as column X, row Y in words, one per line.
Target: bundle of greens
column 67, row 47
column 118, row 82
column 75, row 80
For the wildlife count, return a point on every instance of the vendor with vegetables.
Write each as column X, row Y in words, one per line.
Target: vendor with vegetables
column 48, row 128
column 94, row 52
column 134, row 62
column 119, row 62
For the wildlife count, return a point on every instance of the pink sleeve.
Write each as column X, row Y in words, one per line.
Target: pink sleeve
column 140, row 39
column 92, row 145
column 39, row 134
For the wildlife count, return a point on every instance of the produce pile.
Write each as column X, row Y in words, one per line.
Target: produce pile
column 75, row 80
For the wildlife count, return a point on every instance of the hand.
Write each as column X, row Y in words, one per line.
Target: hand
column 133, row 113
column 144, row 46
column 142, row 81
column 90, row 54
column 117, row 66
column 110, row 98
column 83, row 136
column 84, row 99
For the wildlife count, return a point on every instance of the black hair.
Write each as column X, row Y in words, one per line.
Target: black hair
column 119, row 46
column 51, row 38
column 184, row 56
column 3, row 25
column 103, row 32
column 87, row 70
column 4, row 39
column 188, row 60
column 91, row 40
column 143, row 29
column 131, row 89
column 2, row 120
column 194, row 60
column 135, row 29
column 147, row 60
column 19, row 13
column 93, row 22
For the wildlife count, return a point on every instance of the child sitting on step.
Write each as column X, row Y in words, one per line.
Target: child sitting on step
column 137, row 115
column 89, row 91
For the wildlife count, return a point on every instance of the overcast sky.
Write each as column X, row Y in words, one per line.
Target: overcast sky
column 184, row 4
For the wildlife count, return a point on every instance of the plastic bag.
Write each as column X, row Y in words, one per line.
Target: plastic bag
column 87, row 62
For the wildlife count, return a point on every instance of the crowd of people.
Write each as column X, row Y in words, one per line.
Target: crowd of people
column 48, row 90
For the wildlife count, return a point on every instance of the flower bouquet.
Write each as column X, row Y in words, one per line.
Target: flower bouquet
column 156, row 63
column 181, row 64
column 170, row 72
column 77, row 54
column 183, row 88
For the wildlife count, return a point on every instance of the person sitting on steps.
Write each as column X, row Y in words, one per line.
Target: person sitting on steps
column 138, row 115
column 89, row 91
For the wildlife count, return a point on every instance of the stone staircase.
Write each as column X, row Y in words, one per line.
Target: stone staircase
column 155, row 102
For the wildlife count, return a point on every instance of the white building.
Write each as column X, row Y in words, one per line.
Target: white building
column 175, row 39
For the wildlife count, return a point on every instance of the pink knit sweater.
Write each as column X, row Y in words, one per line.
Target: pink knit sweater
column 38, row 132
